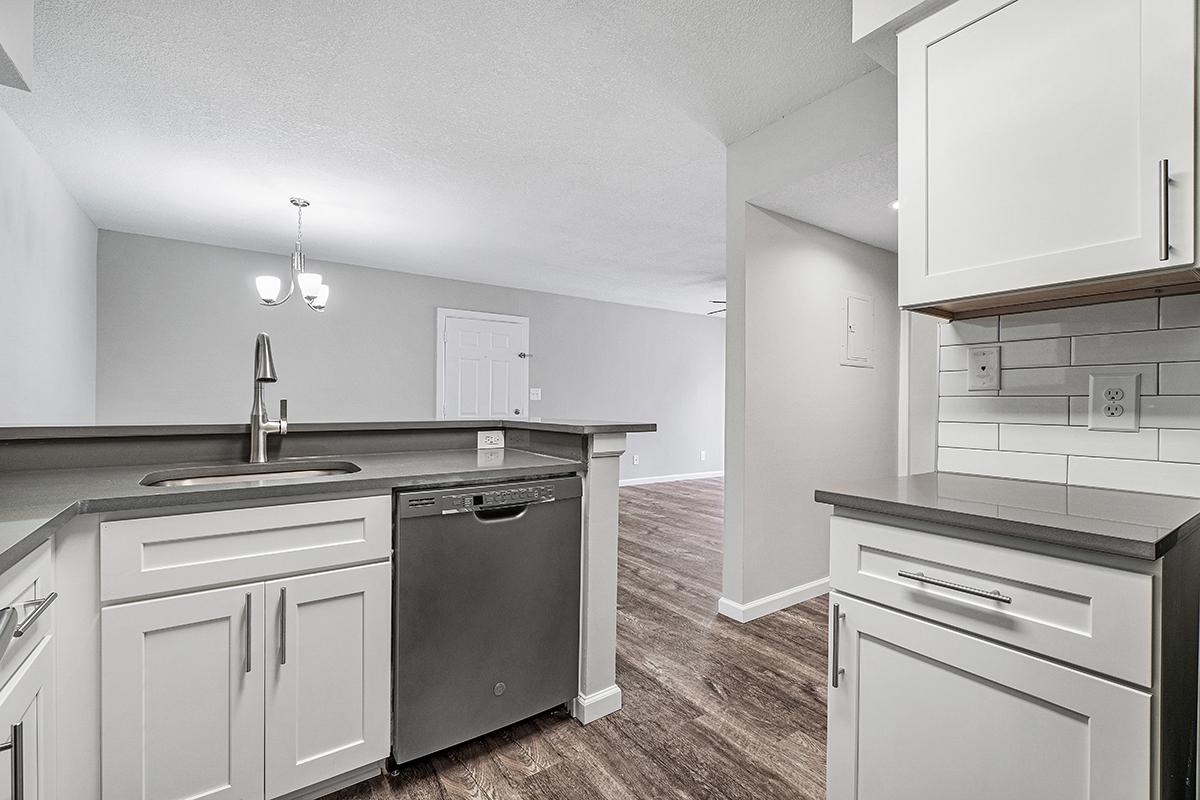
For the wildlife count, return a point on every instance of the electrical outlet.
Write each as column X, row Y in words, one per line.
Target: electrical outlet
column 637, row 460
column 703, row 455
column 983, row 368
column 490, row 439
column 535, row 394
column 1113, row 403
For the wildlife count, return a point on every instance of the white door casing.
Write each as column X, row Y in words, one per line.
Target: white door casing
column 482, row 365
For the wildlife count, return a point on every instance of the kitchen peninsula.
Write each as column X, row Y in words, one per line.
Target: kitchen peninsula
column 173, row 579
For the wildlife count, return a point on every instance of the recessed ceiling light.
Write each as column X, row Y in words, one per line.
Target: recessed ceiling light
column 894, row 205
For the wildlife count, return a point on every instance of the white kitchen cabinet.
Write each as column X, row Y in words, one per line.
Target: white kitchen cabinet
column 924, row 712
column 182, row 696
column 27, row 727
column 328, row 705
column 1031, row 134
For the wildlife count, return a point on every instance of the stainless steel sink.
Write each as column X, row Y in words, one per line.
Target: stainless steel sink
column 249, row 473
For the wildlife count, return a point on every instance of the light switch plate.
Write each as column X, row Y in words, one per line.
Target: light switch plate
column 490, row 439
column 983, row 368
column 1114, row 402
column 535, row 394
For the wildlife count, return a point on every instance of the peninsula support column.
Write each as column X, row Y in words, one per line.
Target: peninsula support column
column 598, row 691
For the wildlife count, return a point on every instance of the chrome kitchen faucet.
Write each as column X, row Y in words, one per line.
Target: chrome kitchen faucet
column 260, row 423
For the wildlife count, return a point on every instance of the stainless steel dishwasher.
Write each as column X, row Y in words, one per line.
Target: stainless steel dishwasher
column 487, row 609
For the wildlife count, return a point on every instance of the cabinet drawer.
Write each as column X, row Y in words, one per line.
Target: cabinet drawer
column 1096, row 617
column 155, row 555
column 31, row 579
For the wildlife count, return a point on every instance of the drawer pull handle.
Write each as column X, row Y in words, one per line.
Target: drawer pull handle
column 921, row 577
column 1164, row 210
column 835, row 634
column 42, row 605
column 16, row 745
column 249, row 665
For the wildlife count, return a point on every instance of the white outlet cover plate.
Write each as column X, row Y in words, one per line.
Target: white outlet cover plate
column 535, row 394
column 983, row 368
column 1128, row 387
column 489, row 440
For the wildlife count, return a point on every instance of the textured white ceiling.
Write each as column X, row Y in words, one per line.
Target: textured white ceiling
column 853, row 199
column 571, row 146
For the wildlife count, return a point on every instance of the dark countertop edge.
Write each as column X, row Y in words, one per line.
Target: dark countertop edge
column 581, row 427
column 1030, row 531
column 190, row 496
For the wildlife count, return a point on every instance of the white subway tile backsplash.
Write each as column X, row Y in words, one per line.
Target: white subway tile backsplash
column 1180, row 377
column 1000, row 464
column 1152, row 477
column 969, row 331
column 1035, row 353
column 1068, row 380
column 975, row 435
column 1036, row 428
column 1178, row 411
column 1181, row 311
column 1180, row 344
column 1129, row 315
column 1179, row 445
column 1028, row 410
column 952, row 357
column 1065, row 440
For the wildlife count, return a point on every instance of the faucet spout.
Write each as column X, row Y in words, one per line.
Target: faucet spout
column 261, row 423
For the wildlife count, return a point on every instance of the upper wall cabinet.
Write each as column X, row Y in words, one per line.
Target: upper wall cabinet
column 1045, row 144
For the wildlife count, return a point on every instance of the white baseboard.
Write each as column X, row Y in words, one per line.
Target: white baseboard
column 744, row 612
column 689, row 476
column 591, row 707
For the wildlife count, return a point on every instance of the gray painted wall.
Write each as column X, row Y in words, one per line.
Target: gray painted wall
column 48, row 270
column 782, row 341
column 177, row 322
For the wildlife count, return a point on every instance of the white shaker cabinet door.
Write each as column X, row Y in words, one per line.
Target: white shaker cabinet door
column 923, row 712
column 27, row 728
column 1032, row 133
column 328, row 675
column 182, row 697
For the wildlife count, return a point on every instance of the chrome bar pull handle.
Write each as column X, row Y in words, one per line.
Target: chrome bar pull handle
column 41, row 606
column 835, row 644
column 921, row 577
column 249, row 631
column 283, row 611
column 1164, row 211
column 16, row 746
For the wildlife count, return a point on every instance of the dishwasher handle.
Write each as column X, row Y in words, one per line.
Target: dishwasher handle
column 490, row 516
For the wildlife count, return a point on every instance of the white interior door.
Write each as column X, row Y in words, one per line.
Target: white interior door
column 483, row 365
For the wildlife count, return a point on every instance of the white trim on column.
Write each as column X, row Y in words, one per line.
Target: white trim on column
column 744, row 612
column 688, row 476
column 591, row 707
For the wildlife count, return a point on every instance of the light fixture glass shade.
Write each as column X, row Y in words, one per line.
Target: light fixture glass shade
column 268, row 287
column 322, row 297
column 310, row 284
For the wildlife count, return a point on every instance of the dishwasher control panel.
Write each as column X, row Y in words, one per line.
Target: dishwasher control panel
column 490, row 498
column 479, row 498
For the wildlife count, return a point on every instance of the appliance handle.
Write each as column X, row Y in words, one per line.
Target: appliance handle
column 489, row 516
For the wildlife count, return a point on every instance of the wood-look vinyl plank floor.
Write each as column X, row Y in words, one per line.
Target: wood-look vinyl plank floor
column 712, row 709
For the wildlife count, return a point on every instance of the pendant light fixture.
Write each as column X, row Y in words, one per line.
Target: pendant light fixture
column 314, row 292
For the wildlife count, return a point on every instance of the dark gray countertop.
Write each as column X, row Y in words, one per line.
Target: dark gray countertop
column 35, row 503
column 1131, row 524
column 577, row 426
